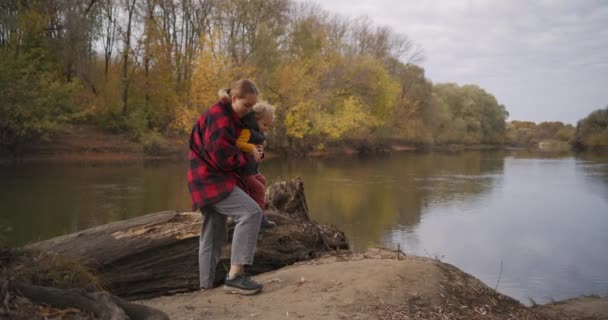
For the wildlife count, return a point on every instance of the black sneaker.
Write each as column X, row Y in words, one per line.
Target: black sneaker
column 242, row 284
column 266, row 223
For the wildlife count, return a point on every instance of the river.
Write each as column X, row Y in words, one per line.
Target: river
column 535, row 226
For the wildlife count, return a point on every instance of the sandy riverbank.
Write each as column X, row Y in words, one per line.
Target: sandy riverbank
column 372, row 285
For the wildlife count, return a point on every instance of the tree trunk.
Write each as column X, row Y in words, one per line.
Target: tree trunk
column 157, row 254
column 125, row 69
column 147, row 56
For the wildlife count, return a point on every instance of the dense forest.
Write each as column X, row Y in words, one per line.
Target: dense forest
column 148, row 68
column 592, row 132
column 526, row 133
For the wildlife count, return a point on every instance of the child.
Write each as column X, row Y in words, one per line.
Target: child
column 256, row 124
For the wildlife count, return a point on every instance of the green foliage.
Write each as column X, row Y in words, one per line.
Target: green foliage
column 34, row 98
column 415, row 115
column 592, row 131
column 366, row 78
column 529, row 134
column 153, row 143
column 473, row 116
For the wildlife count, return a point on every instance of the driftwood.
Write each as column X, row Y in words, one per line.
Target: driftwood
column 288, row 197
column 157, row 254
column 102, row 304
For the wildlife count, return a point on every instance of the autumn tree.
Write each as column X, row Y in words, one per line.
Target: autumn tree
column 149, row 67
column 592, row 131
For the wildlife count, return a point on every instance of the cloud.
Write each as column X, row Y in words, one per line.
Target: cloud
column 545, row 60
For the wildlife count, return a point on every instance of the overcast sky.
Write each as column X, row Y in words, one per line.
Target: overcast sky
column 544, row 60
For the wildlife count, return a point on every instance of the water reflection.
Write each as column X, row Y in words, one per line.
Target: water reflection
column 595, row 170
column 40, row 202
column 367, row 197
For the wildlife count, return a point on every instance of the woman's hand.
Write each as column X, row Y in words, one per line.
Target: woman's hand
column 257, row 155
column 260, row 149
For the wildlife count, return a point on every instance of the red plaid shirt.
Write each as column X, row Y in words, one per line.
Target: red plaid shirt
column 214, row 157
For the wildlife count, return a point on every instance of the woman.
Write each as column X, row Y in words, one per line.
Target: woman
column 217, row 189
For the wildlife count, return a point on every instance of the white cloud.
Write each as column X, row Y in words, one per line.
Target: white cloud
column 545, row 60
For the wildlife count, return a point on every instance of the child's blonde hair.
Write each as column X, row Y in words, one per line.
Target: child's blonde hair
column 263, row 107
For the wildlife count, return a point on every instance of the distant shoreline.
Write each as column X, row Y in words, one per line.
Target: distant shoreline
column 93, row 145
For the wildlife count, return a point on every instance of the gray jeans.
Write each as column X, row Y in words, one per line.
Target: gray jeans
column 247, row 216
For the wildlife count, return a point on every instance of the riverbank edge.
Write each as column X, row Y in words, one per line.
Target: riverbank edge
column 91, row 144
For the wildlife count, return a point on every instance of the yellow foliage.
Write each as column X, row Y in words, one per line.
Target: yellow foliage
column 183, row 119
column 214, row 71
column 297, row 124
column 297, row 81
column 348, row 117
column 311, row 119
column 209, row 73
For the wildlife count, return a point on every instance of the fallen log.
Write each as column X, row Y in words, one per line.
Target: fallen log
column 157, row 254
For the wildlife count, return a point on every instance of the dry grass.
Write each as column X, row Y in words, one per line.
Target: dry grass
column 461, row 297
column 19, row 266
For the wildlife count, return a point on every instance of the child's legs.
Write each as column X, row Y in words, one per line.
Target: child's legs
column 261, row 179
column 256, row 188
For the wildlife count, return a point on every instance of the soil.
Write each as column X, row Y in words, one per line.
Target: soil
column 591, row 307
column 377, row 284
column 93, row 144
column 371, row 285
